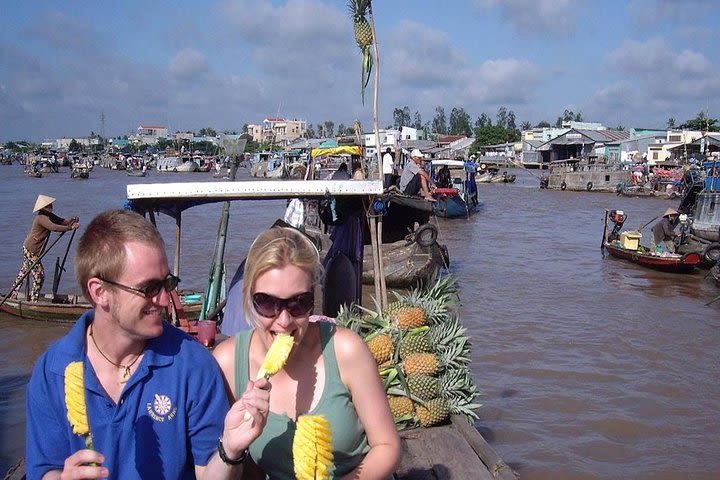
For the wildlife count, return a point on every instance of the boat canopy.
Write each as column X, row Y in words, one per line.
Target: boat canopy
column 172, row 198
column 348, row 149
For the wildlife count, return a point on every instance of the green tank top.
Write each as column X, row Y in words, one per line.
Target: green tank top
column 272, row 450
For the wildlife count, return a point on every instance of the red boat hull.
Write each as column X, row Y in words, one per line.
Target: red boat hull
column 683, row 264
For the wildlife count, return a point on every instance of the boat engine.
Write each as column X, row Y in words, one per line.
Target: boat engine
column 618, row 218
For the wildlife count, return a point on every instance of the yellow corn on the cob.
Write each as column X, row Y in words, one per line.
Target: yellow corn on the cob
column 312, row 448
column 75, row 398
column 276, row 356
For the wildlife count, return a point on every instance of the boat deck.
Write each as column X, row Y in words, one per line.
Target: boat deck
column 455, row 450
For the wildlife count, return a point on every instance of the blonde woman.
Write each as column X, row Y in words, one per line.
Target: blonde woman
column 330, row 371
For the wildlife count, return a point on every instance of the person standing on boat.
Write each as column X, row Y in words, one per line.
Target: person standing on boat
column 663, row 232
column 45, row 222
column 155, row 402
column 329, row 371
column 388, row 167
column 414, row 179
column 398, row 146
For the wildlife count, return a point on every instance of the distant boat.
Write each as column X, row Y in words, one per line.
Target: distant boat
column 457, row 195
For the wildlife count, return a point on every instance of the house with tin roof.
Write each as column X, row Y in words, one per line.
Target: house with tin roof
column 577, row 143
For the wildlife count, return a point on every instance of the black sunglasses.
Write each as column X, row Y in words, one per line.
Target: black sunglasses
column 169, row 283
column 270, row 307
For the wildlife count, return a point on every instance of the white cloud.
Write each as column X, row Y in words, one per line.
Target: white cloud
column 535, row 16
column 188, row 64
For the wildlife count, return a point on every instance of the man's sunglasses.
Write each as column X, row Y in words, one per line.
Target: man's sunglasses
column 169, row 283
column 270, row 307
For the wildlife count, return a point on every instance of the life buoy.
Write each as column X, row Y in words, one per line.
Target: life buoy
column 589, row 186
column 426, row 235
column 563, row 186
column 711, row 254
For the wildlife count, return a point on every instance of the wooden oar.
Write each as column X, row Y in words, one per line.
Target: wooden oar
column 18, row 282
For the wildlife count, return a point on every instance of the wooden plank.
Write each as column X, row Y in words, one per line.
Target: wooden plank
column 452, row 456
column 496, row 466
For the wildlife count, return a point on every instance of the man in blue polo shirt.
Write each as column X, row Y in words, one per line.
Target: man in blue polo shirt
column 156, row 402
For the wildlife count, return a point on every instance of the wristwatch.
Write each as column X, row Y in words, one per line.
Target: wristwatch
column 224, row 457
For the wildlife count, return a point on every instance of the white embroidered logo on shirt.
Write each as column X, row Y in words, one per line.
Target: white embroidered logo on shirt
column 161, row 409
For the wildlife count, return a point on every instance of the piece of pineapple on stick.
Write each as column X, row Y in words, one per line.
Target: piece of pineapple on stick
column 312, row 448
column 75, row 402
column 275, row 359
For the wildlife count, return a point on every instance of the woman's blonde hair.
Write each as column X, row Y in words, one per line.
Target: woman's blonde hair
column 274, row 248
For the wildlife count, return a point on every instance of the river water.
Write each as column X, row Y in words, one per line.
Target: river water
column 590, row 368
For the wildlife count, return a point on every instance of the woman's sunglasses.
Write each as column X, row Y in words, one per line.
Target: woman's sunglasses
column 169, row 283
column 270, row 307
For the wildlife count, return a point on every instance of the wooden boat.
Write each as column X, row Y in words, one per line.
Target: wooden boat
column 81, row 172
column 68, row 308
column 452, row 450
column 626, row 246
column 665, row 262
column 406, row 262
column 458, row 197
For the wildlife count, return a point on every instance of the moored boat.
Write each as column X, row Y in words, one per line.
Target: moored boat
column 457, row 193
column 67, row 308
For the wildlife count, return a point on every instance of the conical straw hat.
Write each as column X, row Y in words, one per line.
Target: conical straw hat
column 670, row 211
column 42, row 202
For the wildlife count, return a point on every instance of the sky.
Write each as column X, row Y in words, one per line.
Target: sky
column 75, row 67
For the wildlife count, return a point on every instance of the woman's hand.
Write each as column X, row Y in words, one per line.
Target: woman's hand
column 238, row 433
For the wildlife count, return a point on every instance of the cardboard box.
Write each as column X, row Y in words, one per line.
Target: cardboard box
column 630, row 240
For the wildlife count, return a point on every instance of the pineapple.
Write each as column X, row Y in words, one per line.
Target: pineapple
column 363, row 37
column 382, row 348
column 392, row 309
column 75, row 402
column 423, row 387
column 400, row 406
column 312, row 448
column 276, row 356
column 421, row 363
column 414, row 343
column 410, row 317
column 433, row 412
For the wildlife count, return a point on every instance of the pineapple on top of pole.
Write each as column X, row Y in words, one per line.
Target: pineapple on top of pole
column 364, row 39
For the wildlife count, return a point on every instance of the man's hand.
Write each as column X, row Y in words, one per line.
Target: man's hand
column 78, row 466
column 238, row 433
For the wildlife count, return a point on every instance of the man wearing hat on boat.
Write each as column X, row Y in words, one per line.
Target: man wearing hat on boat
column 663, row 232
column 414, row 180
column 45, row 222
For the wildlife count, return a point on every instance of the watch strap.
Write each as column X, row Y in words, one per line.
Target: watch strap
column 224, row 457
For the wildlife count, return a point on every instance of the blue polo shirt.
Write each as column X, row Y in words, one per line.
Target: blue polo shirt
column 167, row 420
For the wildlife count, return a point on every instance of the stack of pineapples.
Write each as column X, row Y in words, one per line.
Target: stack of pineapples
column 422, row 353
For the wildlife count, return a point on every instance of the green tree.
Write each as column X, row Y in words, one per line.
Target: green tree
column 493, row 135
column 329, row 128
column 439, row 123
column 75, row 146
column 417, row 124
column 511, row 121
column 702, row 123
column 525, row 126
column 208, row 132
column 460, row 122
column 482, row 121
column 502, row 117
column 401, row 116
column 543, row 124
column 310, row 131
column 671, row 123
column 342, row 129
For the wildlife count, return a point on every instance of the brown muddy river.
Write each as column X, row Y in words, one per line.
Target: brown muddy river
column 590, row 368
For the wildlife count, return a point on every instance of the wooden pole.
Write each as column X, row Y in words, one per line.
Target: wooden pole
column 604, row 237
column 375, row 221
column 178, row 228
